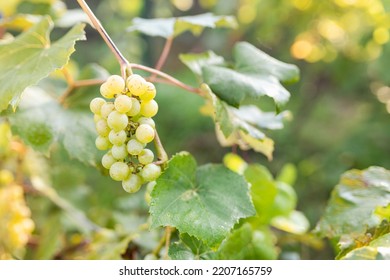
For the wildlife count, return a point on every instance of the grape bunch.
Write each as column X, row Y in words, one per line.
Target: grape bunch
column 125, row 126
column 16, row 225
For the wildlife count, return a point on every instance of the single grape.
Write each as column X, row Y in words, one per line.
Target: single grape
column 150, row 92
column 151, row 172
column 97, row 118
column 132, row 183
column 119, row 152
column 149, row 188
column 102, row 143
column 106, row 92
column 146, row 156
column 116, row 84
column 96, row 105
column 135, row 108
column 149, row 121
column 123, row 104
column 108, row 160
column 149, row 108
column 117, row 138
column 119, row 171
column 134, row 147
column 136, row 85
column 117, row 121
column 107, row 109
column 144, row 133
column 102, row 128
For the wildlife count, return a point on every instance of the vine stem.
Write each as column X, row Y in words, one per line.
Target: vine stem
column 171, row 80
column 124, row 64
column 161, row 153
column 164, row 55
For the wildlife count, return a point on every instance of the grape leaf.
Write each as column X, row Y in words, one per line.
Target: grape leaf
column 173, row 27
column 378, row 249
column 254, row 74
column 195, row 61
column 243, row 126
column 205, row 202
column 351, row 207
column 31, row 57
column 247, row 244
column 41, row 121
column 189, row 248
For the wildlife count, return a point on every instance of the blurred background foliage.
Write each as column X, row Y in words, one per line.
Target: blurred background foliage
column 340, row 107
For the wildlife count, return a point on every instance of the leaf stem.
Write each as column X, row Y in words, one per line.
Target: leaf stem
column 124, row 64
column 76, row 84
column 164, row 55
column 169, row 79
column 161, row 153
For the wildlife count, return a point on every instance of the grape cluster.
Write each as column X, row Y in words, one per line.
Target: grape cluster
column 15, row 217
column 125, row 126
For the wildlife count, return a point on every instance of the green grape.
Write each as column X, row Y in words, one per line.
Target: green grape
column 146, row 156
column 132, row 183
column 96, row 105
column 149, row 121
column 149, row 108
column 150, row 92
column 119, row 171
column 144, row 133
column 106, row 92
column 149, row 188
column 117, row 138
column 135, row 108
column 134, row 147
column 97, row 118
column 136, row 85
column 150, row 257
column 102, row 143
column 151, row 172
column 123, row 104
column 108, row 160
column 119, row 152
column 115, row 84
column 102, row 128
column 117, row 121
column 107, row 109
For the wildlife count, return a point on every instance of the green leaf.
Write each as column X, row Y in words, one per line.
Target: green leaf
column 263, row 191
column 189, row 248
column 353, row 202
column 32, row 57
column 295, row 222
column 173, row 27
column 243, row 126
column 248, row 244
column 195, row 61
column 378, row 249
column 41, row 122
column 254, row 74
column 205, row 202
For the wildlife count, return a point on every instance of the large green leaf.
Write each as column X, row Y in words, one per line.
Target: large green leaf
column 243, row 126
column 41, row 121
column 353, row 202
column 248, row 244
column 32, row 57
column 173, row 27
column 254, row 74
column 196, row 61
column 378, row 249
column 205, row 202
